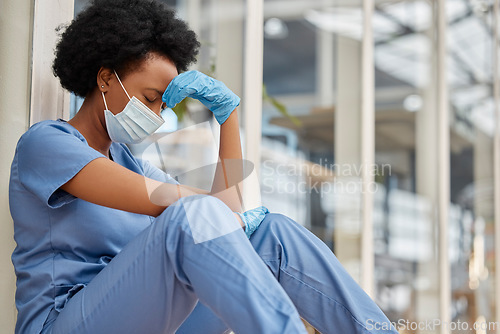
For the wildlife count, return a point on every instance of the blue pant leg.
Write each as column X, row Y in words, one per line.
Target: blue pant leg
column 203, row 320
column 153, row 284
column 273, row 246
column 321, row 289
column 234, row 282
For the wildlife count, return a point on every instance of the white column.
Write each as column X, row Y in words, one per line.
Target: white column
column 194, row 15
column 16, row 17
column 252, row 88
column 229, row 35
column 496, row 150
column 426, row 152
column 48, row 99
column 367, row 147
column 347, row 149
column 191, row 11
column 443, row 158
column 325, row 67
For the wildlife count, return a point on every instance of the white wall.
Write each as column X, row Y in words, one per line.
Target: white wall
column 15, row 77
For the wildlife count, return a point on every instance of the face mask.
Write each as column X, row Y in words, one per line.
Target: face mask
column 134, row 123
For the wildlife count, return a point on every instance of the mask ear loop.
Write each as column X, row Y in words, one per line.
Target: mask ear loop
column 122, row 84
column 105, row 104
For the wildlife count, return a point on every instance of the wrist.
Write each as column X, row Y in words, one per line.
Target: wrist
column 222, row 112
column 238, row 218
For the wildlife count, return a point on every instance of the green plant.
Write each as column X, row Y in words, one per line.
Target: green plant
column 181, row 109
column 279, row 106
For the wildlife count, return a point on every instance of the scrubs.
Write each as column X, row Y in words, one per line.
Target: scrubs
column 84, row 268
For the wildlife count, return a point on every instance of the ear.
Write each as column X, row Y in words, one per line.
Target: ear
column 103, row 77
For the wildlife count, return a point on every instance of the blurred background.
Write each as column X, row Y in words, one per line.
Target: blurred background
column 357, row 158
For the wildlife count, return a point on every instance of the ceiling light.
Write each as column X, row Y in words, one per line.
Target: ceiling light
column 275, row 28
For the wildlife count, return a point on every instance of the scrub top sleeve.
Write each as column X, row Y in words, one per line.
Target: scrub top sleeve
column 48, row 157
column 157, row 174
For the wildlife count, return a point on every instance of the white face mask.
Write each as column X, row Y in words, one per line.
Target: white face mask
column 134, row 123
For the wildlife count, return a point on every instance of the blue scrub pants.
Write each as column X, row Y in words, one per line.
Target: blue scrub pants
column 165, row 282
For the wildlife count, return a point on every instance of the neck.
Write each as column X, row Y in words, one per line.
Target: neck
column 90, row 122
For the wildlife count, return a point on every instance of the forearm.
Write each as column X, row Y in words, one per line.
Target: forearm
column 227, row 196
column 227, row 183
column 223, row 103
column 106, row 183
column 185, row 190
column 162, row 195
column 238, row 218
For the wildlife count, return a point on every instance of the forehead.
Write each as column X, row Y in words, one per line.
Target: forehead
column 155, row 70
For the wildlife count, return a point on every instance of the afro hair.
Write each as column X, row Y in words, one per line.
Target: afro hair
column 119, row 34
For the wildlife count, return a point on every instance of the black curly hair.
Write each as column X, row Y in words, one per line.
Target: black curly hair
column 118, row 34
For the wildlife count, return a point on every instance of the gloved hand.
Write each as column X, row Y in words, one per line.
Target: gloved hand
column 252, row 219
column 212, row 93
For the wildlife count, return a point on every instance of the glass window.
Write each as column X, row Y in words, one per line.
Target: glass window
column 405, row 227
column 310, row 119
column 472, row 122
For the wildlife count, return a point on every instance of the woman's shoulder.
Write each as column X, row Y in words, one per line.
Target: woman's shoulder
column 49, row 126
column 50, row 138
column 49, row 131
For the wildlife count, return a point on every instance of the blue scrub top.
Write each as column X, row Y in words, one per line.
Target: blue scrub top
column 62, row 241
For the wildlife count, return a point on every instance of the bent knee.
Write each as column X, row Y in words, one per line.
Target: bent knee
column 205, row 217
column 275, row 217
column 275, row 221
column 198, row 202
column 204, row 204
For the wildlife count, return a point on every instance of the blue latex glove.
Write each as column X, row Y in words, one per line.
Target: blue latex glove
column 252, row 219
column 212, row 93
